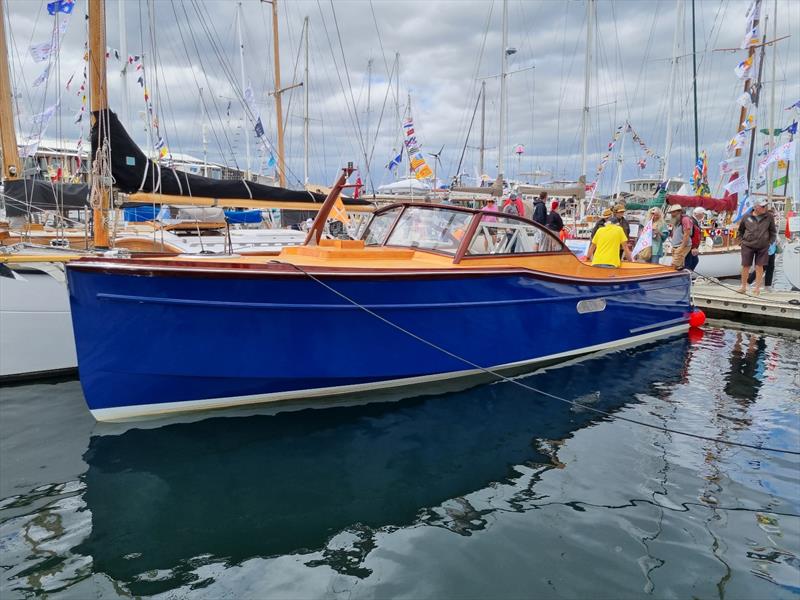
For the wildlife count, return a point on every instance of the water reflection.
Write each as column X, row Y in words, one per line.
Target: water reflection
column 747, row 366
column 264, row 486
column 433, row 497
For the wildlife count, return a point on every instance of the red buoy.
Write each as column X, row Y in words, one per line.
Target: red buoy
column 697, row 318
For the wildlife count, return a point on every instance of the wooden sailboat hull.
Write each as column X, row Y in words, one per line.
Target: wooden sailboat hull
column 156, row 338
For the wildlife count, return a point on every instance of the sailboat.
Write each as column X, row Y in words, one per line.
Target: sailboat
column 35, row 319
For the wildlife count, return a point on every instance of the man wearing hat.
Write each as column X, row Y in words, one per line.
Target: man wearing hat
column 681, row 237
column 619, row 212
column 608, row 244
column 693, row 258
column 606, row 214
column 757, row 231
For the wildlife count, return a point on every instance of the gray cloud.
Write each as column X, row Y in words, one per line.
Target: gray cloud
column 440, row 46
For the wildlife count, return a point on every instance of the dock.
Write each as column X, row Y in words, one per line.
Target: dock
column 780, row 308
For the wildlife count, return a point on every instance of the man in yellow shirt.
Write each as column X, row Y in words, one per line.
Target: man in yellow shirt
column 606, row 245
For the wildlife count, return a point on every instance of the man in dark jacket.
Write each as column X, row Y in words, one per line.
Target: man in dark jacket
column 554, row 220
column 757, row 231
column 540, row 210
column 605, row 216
column 619, row 212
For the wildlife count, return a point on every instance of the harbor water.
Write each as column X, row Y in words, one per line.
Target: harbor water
column 494, row 491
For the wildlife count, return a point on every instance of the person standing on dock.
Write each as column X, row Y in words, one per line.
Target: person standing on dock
column 554, row 221
column 757, row 232
column 660, row 232
column 693, row 258
column 681, row 237
column 540, row 210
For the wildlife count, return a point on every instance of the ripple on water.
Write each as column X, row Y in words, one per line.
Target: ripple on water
column 492, row 491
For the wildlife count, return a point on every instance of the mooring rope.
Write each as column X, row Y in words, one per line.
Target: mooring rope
column 521, row 384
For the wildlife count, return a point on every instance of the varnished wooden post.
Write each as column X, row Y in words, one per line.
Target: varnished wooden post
column 98, row 102
column 8, row 136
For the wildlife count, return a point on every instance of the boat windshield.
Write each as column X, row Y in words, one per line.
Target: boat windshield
column 438, row 229
column 378, row 228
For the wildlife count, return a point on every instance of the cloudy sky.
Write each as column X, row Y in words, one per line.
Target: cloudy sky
column 446, row 48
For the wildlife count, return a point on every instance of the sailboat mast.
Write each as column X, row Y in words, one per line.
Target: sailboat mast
column 8, row 135
column 245, row 126
column 587, row 79
column 123, row 51
column 671, row 87
column 305, row 109
column 101, row 193
column 397, row 108
column 369, row 98
column 504, row 69
column 408, row 112
column 770, row 135
column 483, row 127
column 278, row 104
column 694, row 84
column 756, row 102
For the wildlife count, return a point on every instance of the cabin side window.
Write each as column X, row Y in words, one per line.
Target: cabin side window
column 497, row 234
column 379, row 226
column 437, row 229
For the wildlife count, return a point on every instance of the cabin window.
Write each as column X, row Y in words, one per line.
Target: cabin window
column 437, row 229
column 379, row 226
column 497, row 234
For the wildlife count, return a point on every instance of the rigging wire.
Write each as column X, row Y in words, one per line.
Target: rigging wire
column 517, row 382
column 350, row 110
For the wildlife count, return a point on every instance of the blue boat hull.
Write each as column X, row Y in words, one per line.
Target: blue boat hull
column 166, row 342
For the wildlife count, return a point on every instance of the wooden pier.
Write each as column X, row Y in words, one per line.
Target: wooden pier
column 781, row 308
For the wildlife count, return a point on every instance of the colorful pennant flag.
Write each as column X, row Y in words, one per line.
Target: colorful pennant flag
column 737, row 185
column 750, row 38
column 780, row 181
column 783, row 152
column 743, row 68
column 395, row 162
column 64, row 6
column 259, row 128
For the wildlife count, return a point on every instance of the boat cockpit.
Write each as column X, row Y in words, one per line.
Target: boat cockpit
column 459, row 232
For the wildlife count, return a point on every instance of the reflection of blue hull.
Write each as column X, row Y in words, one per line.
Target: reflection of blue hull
column 268, row 486
column 160, row 343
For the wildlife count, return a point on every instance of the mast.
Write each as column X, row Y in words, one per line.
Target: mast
column 671, row 87
column 101, row 193
column 587, row 84
column 305, row 109
column 8, row 135
column 770, row 135
column 756, row 102
column 751, row 51
column 408, row 112
column 504, row 68
column 620, row 162
column 397, row 109
column 483, row 125
column 694, row 85
column 369, row 95
column 245, row 125
column 123, row 50
column 278, row 104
